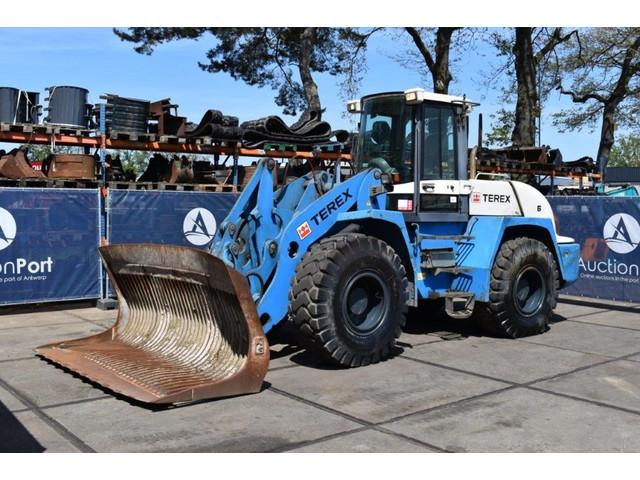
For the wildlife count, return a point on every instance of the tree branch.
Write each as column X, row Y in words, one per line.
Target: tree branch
column 556, row 39
column 422, row 48
column 582, row 98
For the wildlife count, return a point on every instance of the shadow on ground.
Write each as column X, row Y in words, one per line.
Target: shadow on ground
column 14, row 438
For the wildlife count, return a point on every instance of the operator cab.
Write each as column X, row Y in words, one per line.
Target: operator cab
column 416, row 138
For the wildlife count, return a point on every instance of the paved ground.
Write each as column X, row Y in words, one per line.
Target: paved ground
column 575, row 388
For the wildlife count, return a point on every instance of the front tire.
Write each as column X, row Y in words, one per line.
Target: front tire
column 523, row 290
column 348, row 299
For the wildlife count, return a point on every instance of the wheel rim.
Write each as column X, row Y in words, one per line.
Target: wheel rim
column 365, row 303
column 530, row 290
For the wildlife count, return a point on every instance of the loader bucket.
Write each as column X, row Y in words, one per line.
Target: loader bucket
column 187, row 329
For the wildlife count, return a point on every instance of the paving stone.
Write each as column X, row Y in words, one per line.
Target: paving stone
column 368, row 441
column 105, row 318
column 380, row 392
column 613, row 318
column 615, row 383
column 524, row 420
column 570, row 310
column 46, row 384
column 600, row 340
column 35, row 319
column 251, row 423
column 26, row 432
column 21, row 342
column 10, row 402
column 503, row 358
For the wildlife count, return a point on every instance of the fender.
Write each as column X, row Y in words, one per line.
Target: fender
column 306, row 227
column 480, row 253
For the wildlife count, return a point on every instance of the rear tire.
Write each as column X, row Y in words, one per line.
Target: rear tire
column 348, row 299
column 523, row 290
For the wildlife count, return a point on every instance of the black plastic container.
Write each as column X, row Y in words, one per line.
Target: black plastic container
column 8, row 104
column 68, row 106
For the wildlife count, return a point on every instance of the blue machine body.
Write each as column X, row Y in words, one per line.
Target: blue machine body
column 268, row 232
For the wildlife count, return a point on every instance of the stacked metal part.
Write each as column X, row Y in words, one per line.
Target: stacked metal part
column 68, row 106
column 19, row 106
column 126, row 115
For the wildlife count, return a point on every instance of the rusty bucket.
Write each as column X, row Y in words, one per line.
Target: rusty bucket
column 187, row 329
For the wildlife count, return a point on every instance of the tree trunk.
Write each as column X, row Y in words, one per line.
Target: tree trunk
column 524, row 131
column 440, row 73
column 310, row 88
column 607, row 137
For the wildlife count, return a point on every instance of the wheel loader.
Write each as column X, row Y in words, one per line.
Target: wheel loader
column 340, row 259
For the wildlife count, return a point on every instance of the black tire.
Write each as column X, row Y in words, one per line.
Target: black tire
column 348, row 299
column 523, row 291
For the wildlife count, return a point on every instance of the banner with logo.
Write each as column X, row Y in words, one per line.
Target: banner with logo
column 176, row 218
column 48, row 245
column 608, row 230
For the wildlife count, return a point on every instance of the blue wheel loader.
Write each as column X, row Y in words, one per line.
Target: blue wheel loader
column 338, row 257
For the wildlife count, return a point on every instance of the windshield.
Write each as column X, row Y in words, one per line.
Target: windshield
column 386, row 137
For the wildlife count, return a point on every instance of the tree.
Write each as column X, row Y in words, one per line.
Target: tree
column 533, row 63
column 267, row 56
column 438, row 62
column 604, row 71
column 626, row 152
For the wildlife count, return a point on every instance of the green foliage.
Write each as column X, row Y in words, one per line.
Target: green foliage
column 501, row 127
column 626, row 152
column 601, row 66
column 264, row 56
column 132, row 161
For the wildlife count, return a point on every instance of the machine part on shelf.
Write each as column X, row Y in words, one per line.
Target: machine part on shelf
column 217, row 126
column 75, row 166
column 157, row 169
column 206, row 173
column 68, row 106
column 15, row 165
column 9, row 100
column 28, row 109
column 126, row 115
column 184, row 315
column 273, row 129
column 180, row 170
column 167, row 123
column 115, row 170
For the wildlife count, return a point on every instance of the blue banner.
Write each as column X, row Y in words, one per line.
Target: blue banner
column 48, row 245
column 608, row 231
column 188, row 219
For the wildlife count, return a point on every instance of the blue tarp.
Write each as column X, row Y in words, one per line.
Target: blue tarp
column 175, row 218
column 48, row 241
column 608, row 231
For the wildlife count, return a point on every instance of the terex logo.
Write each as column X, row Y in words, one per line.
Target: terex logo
column 199, row 226
column 622, row 233
column 7, row 228
column 495, row 198
column 332, row 206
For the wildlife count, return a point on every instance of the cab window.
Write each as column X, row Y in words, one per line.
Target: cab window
column 439, row 152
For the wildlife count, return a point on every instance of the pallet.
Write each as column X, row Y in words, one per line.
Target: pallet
column 49, row 183
column 176, row 187
column 132, row 136
column 46, row 129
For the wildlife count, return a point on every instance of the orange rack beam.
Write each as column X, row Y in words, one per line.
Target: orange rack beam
column 154, row 146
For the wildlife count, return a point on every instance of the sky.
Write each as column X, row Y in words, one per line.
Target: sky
column 95, row 58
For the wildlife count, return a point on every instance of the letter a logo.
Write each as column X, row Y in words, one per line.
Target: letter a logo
column 622, row 233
